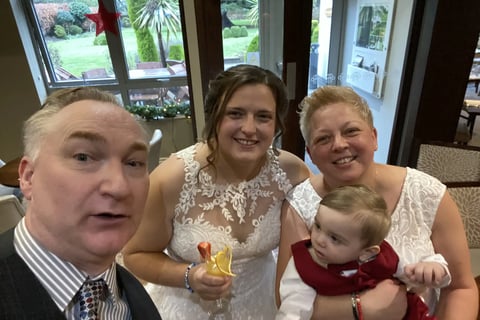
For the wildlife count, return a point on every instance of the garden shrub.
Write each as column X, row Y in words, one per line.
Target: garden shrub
column 243, row 22
column 125, row 22
column 235, row 31
column 88, row 25
column 64, row 18
column 227, row 33
column 176, row 52
column 243, row 31
column 59, row 31
column 47, row 13
column 78, row 10
column 55, row 56
column 147, row 50
column 314, row 37
column 74, row 30
column 100, row 40
column 253, row 45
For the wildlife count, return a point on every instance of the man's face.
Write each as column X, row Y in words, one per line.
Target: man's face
column 88, row 185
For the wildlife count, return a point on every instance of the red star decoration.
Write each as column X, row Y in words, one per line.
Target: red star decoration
column 104, row 19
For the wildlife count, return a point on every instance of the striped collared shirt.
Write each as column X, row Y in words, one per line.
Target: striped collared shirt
column 63, row 280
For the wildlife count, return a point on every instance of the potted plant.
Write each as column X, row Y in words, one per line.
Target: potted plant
column 168, row 110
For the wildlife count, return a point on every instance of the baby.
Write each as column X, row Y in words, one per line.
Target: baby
column 346, row 253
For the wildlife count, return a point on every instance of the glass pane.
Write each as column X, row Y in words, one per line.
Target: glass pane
column 473, row 91
column 240, row 32
column 64, row 29
column 159, row 96
column 160, row 102
column 152, row 39
column 320, row 45
column 153, row 69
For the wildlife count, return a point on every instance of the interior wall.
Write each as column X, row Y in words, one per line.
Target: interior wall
column 440, row 60
column 193, row 61
column 384, row 109
column 296, row 52
column 22, row 93
column 19, row 95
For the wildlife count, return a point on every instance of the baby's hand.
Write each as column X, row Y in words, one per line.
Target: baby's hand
column 425, row 273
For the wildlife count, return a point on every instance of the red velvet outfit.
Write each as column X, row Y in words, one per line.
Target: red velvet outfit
column 330, row 282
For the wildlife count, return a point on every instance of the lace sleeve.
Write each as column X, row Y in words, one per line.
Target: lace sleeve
column 305, row 200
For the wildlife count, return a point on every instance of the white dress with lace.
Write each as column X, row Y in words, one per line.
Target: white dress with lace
column 244, row 216
column 412, row 218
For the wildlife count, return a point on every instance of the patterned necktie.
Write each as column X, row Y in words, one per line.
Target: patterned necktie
column 90, row 295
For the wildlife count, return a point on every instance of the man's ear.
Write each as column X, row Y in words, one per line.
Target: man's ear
column 25, row 174
column 368, row 253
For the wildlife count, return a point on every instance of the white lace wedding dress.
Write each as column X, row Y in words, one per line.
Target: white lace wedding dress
column 412, row 218
column 245, row 216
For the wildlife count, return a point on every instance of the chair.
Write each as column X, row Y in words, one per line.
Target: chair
column 11, row 212
column 467, row 197
column 63, row 74
column 97, row 73
column 463, row 134
column 9, row 173
column 154, row 153
column 449, row 162
column 178, row 69
column 149, row 65
column 180, row 93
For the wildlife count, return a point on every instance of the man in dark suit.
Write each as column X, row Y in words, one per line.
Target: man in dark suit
column 84, row 175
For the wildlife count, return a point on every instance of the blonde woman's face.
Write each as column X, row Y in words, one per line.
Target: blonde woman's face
column 342, row 143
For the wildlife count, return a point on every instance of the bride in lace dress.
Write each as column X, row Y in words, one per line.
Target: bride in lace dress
column 227, row 190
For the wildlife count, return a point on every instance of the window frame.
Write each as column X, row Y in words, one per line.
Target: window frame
column 120, row 84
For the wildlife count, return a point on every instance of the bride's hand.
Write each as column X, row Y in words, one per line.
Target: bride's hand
column 209, row 287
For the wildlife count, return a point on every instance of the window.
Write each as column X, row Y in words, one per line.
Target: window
column 319, row 73
column 139, row 54
column 252, row 32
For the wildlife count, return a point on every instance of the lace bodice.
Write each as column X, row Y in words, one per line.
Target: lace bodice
column 245, row 216
column 412, row 218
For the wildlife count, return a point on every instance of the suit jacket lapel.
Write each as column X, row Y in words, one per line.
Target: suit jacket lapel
column 23, row 286
column 140, row 303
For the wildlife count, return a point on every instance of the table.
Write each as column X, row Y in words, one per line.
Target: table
column 149, row 73
column 9, row 173
column 473, row 109
column 475, row 75
column 475, row 78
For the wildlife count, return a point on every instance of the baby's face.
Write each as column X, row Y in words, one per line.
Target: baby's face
column 335, row 237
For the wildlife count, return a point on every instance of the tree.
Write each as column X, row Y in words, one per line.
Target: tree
column 145, row 43
column 253, row 11
column 161, row 15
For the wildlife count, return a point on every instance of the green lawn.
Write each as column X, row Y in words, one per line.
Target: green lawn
column 235, row 47
column 78, row 53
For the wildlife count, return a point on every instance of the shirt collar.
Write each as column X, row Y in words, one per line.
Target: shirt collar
column 60, row 278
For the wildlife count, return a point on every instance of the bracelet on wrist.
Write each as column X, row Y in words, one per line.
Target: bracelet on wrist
column 187, row 273
column 356, row 307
